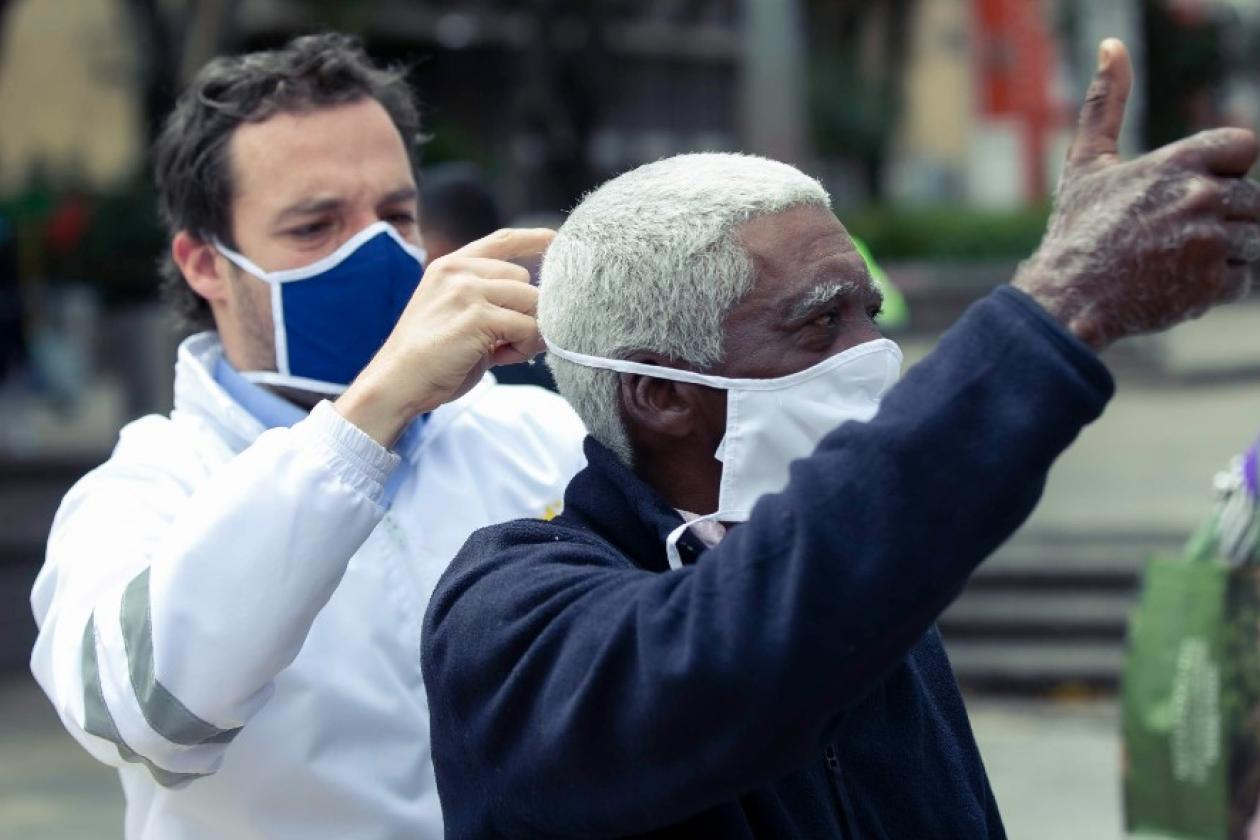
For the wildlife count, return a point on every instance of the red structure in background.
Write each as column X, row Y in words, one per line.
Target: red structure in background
column 1015, row 66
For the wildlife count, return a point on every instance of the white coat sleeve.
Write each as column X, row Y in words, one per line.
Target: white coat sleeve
column 166, row 610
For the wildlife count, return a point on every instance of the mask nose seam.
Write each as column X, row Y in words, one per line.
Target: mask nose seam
column 336, row 257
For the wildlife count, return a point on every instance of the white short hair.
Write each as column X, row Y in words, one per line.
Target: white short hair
column 651, row 261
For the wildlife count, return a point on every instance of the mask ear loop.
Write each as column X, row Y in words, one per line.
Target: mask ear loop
column 671, row 542
column 241, row 261
column 279, row 330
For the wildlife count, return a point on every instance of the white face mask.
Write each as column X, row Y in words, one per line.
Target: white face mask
column 772, row 422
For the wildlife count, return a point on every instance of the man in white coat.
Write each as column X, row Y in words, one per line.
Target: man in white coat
column 230, row 607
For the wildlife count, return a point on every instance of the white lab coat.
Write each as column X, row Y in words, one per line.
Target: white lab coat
column 236, row 578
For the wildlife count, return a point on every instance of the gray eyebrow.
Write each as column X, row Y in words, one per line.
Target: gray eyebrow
column 823, row 294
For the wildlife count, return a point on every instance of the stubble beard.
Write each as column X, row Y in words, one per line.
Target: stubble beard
column 258, row 331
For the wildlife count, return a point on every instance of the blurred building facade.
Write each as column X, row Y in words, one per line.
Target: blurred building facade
column 952, row 104
column 992, row 93
column 553, row 96
column 67, row 94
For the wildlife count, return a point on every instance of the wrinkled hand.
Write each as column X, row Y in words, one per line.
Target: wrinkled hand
column 472, row 310
column 1138, row 246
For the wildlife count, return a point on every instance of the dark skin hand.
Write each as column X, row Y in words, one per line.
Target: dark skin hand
column 813, row 298
column 1138, row 246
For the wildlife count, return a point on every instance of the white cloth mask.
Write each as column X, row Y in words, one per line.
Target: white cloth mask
column 772, row 422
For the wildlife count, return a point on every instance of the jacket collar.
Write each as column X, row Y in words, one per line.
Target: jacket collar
column 269, row 408
column 198, row 392
column 607, row 497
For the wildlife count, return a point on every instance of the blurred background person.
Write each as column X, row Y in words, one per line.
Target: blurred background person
column 457, row 206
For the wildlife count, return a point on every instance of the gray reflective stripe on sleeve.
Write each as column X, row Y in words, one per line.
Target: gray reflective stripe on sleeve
column 99, row 722
column 168, row 717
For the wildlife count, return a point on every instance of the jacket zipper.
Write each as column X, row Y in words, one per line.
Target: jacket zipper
column 837, row 786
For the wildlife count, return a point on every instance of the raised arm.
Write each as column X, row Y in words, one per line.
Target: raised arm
column 624, row 699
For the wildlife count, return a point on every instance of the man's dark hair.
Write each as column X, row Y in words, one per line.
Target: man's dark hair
column 191, row 165
column 457, row 202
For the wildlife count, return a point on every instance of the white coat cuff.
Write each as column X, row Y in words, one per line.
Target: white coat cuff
column 360, row 461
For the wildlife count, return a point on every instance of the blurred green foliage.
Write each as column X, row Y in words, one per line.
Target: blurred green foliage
column 851, row 117
column 109, row 238
column 948, row 232
column 1188, row 64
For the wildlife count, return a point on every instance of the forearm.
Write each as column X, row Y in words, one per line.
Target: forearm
column 378, row 409
column 888, row 519
column 1071, row 306
column 188, row 609
column 251, row 577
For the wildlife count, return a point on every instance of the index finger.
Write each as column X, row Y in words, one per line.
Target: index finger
column 1226, row 152
column 509, row 243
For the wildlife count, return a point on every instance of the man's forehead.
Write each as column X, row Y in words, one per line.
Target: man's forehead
column 805, row 255
column 319, row 153
column 801, row 242
column 804, row 231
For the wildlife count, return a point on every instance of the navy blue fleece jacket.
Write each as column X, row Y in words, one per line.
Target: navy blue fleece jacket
column 788, row 682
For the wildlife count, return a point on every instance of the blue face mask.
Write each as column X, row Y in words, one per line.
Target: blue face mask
column 334, row 314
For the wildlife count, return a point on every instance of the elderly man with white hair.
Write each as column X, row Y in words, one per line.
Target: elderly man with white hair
column 708, row 643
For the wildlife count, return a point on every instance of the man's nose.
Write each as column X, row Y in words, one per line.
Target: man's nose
column 359, row 218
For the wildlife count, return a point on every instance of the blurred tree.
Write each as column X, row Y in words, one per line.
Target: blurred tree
column 775, row 106
column 857, row 64
column 1185, row 68
column 351, row 16
column 555, row 109
column 5, row 7
column 175, row 39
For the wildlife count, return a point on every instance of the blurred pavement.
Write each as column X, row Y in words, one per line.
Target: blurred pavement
column 50, row 788
column 1053, row 767
column 1186, row 402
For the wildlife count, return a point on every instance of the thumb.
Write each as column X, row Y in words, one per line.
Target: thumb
column 1102, row 115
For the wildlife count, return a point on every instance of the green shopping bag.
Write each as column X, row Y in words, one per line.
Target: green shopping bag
column 1191, row 685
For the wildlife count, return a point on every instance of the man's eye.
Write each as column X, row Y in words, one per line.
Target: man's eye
column 309, row 230
column 401, row 218
column 875, row 310
column 826, row 320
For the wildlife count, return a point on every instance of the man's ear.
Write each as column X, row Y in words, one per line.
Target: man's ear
column 201, row 266
column 661, row 407
column 655, row 406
